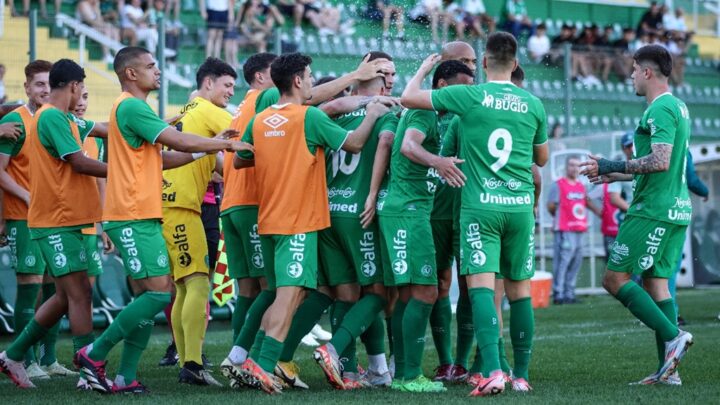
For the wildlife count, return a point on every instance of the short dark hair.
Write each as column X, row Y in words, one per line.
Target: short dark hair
column 377, row 55
column 126, row 56
column 213, row 68
column 257, row 63
column 518, row 75
column 448, row 70
column 500, row 49
column 284, row 69
column 64, row 72
column 541, row 26
column 656, row 55
column 35, row 67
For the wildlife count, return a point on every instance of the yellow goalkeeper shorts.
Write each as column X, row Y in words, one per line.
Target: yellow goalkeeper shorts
column 186, row 244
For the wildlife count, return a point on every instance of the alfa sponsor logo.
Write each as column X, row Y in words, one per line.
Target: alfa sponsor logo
column 59, row 259
column 645, row 262
column 180, row 240
column 493, row 183
column 297, row 251
column 367, row 250
column 508, row 102
column 652, row 244
column 472, row 238
column 127, row 242
column 275, row 121
column 399, row 265
column 257, row 257
column 346, row 192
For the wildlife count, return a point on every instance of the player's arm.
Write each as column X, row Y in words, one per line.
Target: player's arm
column 344, row 105
column 592, row 207
column 247, row 158
column 414, row 96
column 8, row 184
column 541, row 154
column 537, row 182
column 10, row 130
column 365, row 71
column 185, row 142
column 695, row 184
column 553, row 199
column 617, row 201
column 380, row 166
column 84, row 165
column 219, row 162
column 446, row 166
column 356, row 139
column 100, row 130
column 173, row 159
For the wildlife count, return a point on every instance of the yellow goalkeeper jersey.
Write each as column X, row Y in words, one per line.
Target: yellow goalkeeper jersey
column 185, row 186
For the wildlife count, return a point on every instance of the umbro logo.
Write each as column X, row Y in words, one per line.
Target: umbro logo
column 275, row 121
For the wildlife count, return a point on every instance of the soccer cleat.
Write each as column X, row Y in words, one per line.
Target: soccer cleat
column 320, row 334
column 493, row 385
column 134, row 387
column 171, row 356
column 289, row 373
column 422, row 384
column 521, row 385
column 473, row 379
column 673, row 379
column 94, row 371
column 34, row 372
column 260, row 378
column 329, row 362
column 458, row 374
column 16, row 371
column 508, row 377
column 234, row 373
column 378, row 380
column 200, row 377
column 83, row 385
column 206, row 362
column 652, row 379
column 443, row 373
column 355, row 381
column 396, row 385
column 674, row 352
column 309, row 340
column 57, row 369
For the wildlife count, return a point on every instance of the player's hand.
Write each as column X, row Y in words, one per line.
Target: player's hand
column 429, row 63
column 448, row 170
column 606, row 178
column 108, row 246
column 174, row 119
column 377, row 109
column 239, row 146
column 387, row 100
column 10, row 130
column 227, row 134
column 368, row 214
column 589, row 167
column 370, row 70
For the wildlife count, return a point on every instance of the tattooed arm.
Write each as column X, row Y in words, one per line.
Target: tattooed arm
column 601, row 170
column 657, row 161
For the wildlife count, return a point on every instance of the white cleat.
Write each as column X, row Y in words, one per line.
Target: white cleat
column 16, row 371
column 320, row 334
column 674, row 352
column 378, row 379
column 83, row 385
column 57, row 369
column 673, row 379
column 34, row 372
column 309, row 340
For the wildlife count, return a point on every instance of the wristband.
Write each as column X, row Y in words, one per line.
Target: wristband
column 606, row 166
column 198, row 155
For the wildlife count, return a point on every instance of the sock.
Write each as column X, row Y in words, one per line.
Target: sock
column 346, row 352
column 250, row 328
column 31, row 334
column 486, row 328
column 639, row 302
column 237, row 355
column 440, row 319
column 257, row 344
column 465, row 331
column 24, row 313
column 175, row 321
column 378, row 363
column 242, row 304
column 46, row 351
column 388, row 329
column 374, row 337
column 669, row 309
column 269, row 354
column 414, row 324
column 193, row 317
column 307, row 315
column 81, row 341
column 504, row 364
column 398, row 343
column 141, row 311
column 477, row 362
column 135, row 344
column 522, row 329
column 359, row 317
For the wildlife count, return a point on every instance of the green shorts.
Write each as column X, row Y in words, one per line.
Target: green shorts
column 95, row 267
column 443, row 238
column 385, row 265
column 349, row 253
column 647, row 247
column 25, row 256
column 497, row 242
column 64, row 252
column 243, row 245
column 141, row 246
column 293, row 260
column 409, row 243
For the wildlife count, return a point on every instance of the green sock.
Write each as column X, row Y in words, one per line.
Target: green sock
column 24, row 313
column 440, row 320
column 242, row 304
column 31, row 334
column 359, row 317
column 346, row 346
column 522, row 330
column 414, row 324
column 141, row 311
column 398, row 343
column 477, row 362
column 504, row 364
column 374, row 337
column 639, row 302
column 486, row 328
column 306, row 316
column 46, row 350
column 250, row 328
column 465, row 331
column 668, row 308
column 135, row 344
column 388, row 329
column 257, row 344
column 269, row 354
column 81, row 341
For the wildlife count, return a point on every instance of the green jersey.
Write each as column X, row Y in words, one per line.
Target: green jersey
column 84, row 126
column 138, row 123
column 444, row 194
column 267, row 98
column 349, row 174
column 412, row 185
column 663, row 196
column 500, row 124
column 8, row 146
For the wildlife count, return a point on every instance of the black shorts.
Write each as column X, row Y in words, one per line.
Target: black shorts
column 217, row 19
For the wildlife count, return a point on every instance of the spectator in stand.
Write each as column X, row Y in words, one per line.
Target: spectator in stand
column 538, row 44
column 453, row 15
column 255, row 25
column 292, row 9
column 172, row 11
column 3, row 95
column 390, row 9
column 642, row 40
column 584, row 57
column 516, row 18
column 604, row 52
column 172, row 31
column 88, row 11
column 676, row 44
column 326, row 18
column 135, row 26
column 651, row 21
column 621, row 57
column 43, row 7
column 476, row 17
column 675, row 22
column 557, row 45
column 434, row 11
column 218, row 14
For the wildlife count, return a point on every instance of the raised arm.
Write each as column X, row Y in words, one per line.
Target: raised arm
column 349, row 104
column 366, row 71
column 414, row 96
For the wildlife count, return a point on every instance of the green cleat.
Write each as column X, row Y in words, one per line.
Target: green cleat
column 397, row 385
column 423, row 384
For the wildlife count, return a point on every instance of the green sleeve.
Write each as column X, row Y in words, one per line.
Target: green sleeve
column 267, row 98
column 85, row 127
column 101, row 149
column 663, row 125
column 248, row 138
column 454, row 99
column 541, row 135
column 424, row 121
column 450, row 139
column 320, row 130
column 388, row 123
column 56, row 135
column 138, row 122
column 8, row 146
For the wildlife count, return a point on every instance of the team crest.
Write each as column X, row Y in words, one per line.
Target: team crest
column 426, row 270
column 29, row 260
column 162, row 261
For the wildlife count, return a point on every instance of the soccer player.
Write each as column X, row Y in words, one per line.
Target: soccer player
column 182, row 195
column 289, row 140
column 650, row 239
column 405, row 223
column 503, row 130
column 58, row 171
column 132, row 214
